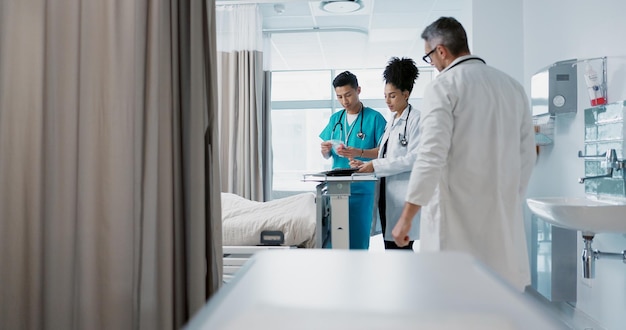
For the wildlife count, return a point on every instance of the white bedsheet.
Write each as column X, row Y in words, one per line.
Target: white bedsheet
column 243, row 220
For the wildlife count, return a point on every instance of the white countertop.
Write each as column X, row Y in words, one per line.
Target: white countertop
column 345, row 289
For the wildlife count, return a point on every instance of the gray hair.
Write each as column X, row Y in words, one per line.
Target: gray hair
column 447, row 31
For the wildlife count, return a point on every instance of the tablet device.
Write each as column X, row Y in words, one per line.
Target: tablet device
column 341, row 171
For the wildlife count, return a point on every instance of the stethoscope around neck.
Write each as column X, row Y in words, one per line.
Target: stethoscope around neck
column 402, row 137
column 465, row 60
column 360, row 134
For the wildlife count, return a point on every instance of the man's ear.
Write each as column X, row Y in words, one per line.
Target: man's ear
column 443, row 51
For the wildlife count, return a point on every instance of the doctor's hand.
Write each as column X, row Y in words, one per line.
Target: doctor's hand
column 367, row 167
column 326, row 147
column 354, row 163
column 400, row 232
column 349, row 152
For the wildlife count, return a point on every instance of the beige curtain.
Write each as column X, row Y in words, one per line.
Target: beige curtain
column 109, row 190
column 241, row 100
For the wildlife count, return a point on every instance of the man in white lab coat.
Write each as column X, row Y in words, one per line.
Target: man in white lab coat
column 474, row 159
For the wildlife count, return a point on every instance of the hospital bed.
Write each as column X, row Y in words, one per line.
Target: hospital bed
column 250, row 226
column 299, row 221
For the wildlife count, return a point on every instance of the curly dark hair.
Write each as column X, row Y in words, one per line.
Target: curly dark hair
column 401, row 73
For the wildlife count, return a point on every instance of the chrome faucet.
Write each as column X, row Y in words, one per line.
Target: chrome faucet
column 611, row 162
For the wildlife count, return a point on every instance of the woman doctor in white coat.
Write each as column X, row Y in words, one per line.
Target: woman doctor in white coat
column 396, row 151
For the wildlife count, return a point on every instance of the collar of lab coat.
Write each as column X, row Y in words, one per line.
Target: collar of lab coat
column 461, row 59
column 403, row 116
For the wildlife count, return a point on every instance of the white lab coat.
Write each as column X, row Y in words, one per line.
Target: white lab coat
column 474, row 160
column 396, row 168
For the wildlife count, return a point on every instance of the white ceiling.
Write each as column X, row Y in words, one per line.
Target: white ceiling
column 305, row 37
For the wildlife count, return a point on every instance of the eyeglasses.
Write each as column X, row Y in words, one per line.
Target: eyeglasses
column 427, row 58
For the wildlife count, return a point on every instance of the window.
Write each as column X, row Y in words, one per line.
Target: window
column 296, row 147
column 302, row 102
column 301, row 86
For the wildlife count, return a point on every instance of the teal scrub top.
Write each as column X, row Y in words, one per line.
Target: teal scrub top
column 373, row 129
column 338, row 129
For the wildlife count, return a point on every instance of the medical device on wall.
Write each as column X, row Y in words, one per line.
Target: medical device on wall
column 554, row 89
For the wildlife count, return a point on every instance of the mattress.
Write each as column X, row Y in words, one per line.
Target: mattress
column 243, row 220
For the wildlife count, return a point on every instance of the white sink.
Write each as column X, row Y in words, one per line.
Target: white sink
column 586, row 215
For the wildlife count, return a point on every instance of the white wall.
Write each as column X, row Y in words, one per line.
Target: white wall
column 497, row 34
column 561, row 30
column 521, row 37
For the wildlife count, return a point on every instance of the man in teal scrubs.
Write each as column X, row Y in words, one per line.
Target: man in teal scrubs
column 355, row 131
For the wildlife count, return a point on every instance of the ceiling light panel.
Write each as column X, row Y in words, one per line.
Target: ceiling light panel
column 341, row 7
column 366, row 9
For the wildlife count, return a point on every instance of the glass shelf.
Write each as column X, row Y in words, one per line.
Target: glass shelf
column 542, row 139
column 544, row 130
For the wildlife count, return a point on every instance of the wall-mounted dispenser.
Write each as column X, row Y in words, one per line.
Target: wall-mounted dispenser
column 554, row 89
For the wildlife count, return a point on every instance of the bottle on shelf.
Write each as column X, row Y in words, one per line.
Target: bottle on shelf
column 594, row 86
